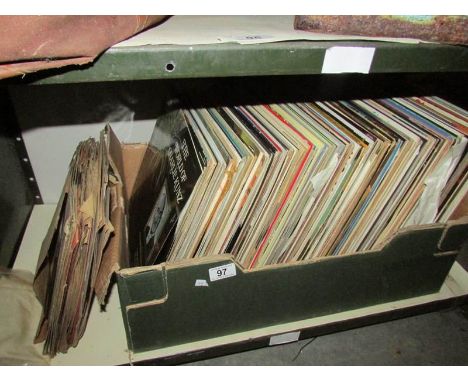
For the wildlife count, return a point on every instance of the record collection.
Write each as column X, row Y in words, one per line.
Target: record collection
column 268, row 184
column 291, row 182
column 73, row 263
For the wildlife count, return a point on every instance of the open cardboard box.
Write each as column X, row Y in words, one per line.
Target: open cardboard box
column 175, row 303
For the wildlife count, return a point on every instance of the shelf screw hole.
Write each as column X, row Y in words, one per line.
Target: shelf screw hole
column 25, row 160
column 170, row 66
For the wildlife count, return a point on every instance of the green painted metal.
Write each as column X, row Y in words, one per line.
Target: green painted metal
column 162, row 306
column 233, row 60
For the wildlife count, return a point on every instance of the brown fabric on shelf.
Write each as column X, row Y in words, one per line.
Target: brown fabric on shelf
column 31, row 43
column 444, row 29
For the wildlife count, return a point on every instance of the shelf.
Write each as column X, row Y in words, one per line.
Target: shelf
column 104, row 341
column 234, row 60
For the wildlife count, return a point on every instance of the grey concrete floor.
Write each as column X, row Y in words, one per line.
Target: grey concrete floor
column 438, row 338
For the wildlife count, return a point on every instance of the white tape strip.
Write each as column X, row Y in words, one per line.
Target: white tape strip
column 202, row 283
column 341, row 59
column 284, row 338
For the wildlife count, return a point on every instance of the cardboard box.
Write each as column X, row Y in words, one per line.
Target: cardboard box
column 198, row 299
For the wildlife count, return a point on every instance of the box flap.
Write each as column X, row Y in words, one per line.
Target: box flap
column 132, row 155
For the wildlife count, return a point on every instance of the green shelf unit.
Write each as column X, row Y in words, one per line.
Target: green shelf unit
column 236, row 60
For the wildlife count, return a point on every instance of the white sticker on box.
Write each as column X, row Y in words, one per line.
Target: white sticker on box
column 345, row 59
column 222, row 272
column 284, row 338
column 201, row 282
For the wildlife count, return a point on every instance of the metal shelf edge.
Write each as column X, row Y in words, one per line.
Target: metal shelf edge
column 235, row 60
